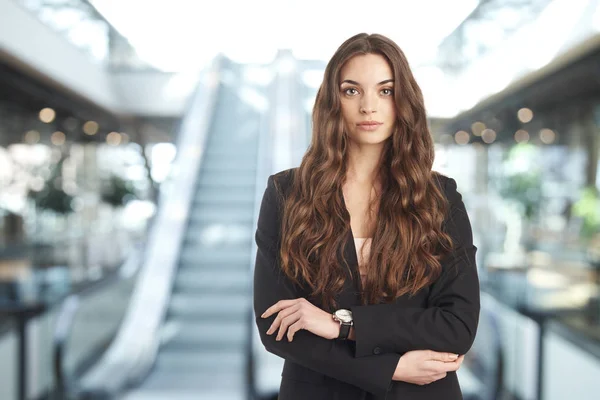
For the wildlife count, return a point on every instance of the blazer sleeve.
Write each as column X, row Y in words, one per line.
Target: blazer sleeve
column 450, row 321
column 329, row 357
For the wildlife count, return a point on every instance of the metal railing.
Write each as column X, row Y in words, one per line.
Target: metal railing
column 66, row 385
column 64, row 323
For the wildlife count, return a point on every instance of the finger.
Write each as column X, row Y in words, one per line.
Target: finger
column 275, row 324
column 282, row 314
column 435, row 367
column 453, row 366
column 456, row 364
column 444, row 357
column 280, row 305
column 285, row 323
column 295, row 327
column 442, row 367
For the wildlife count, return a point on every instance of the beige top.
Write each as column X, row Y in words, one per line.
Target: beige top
column 363, row 247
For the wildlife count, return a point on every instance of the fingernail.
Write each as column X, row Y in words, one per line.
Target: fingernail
column 454, row 356
column 263, row 315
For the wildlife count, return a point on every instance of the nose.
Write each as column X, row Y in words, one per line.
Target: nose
column 368, row 104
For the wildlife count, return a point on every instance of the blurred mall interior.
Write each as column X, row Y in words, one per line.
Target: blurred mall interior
column 136, row 138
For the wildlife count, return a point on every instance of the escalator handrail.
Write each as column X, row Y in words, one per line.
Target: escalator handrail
column 134, row 349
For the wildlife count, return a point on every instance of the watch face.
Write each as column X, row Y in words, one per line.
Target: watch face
column 344, row 315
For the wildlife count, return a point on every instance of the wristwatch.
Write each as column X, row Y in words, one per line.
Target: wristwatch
column 344, row 317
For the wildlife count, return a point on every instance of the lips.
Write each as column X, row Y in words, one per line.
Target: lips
column 369, row 123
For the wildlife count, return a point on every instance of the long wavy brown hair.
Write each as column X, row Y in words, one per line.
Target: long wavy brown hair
column 408, row 240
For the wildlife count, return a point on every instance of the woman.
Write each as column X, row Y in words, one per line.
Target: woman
column 365, row 279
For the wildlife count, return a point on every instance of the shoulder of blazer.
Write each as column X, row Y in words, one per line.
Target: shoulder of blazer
column 442, row 181
column 281, row 182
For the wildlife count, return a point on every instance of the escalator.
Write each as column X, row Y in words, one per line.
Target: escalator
column 189, row 332
column 205, row 335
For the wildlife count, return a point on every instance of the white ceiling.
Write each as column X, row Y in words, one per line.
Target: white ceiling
column 178, row 35
column 183, row 35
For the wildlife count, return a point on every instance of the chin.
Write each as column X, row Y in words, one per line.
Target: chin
column 371, row 138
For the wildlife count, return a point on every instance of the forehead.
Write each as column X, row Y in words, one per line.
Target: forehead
column 367, row 69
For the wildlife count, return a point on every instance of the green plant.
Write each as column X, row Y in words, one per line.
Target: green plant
column 52, row 196
column 116, row 191
column 524, row 188
column 521, row 180
column 588, row 209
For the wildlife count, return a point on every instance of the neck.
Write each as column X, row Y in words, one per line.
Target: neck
column 363, row 163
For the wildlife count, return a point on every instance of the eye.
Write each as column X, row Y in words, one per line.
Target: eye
column 350, row 91
column 387, row 91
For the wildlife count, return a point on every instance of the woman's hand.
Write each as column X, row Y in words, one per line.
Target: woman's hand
column 299, row 314
column 423, row 367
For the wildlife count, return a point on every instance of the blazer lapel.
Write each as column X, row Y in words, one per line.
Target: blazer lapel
column 350, row 294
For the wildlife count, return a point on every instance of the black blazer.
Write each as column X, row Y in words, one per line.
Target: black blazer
column 441, row 317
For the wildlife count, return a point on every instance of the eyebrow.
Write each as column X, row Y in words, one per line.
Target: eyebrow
column 358, row 84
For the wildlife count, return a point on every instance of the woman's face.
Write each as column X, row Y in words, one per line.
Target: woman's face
column 367, row 98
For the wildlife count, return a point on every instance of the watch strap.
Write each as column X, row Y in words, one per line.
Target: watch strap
column 344, row 331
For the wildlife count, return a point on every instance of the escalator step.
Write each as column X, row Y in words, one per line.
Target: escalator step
column 205, row 361
column 228, row 383
column 212, row 280
column 219, row 184
column 234, row 201
column 219, row 235
column 219, row 152
column 219, row 209
column 210, row 217
column 206, row 238
column 218, row 161
column 223, row 257
column 241, row 177
column 234, row 195
column 184, row 307
column 206, row 335
column 224, row 187
column 204, row 394
column 227, row 168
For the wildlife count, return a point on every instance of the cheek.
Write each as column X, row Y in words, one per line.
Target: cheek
column 345, row 106
column 391, row 115
column 390, row 108
column 347, row 112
